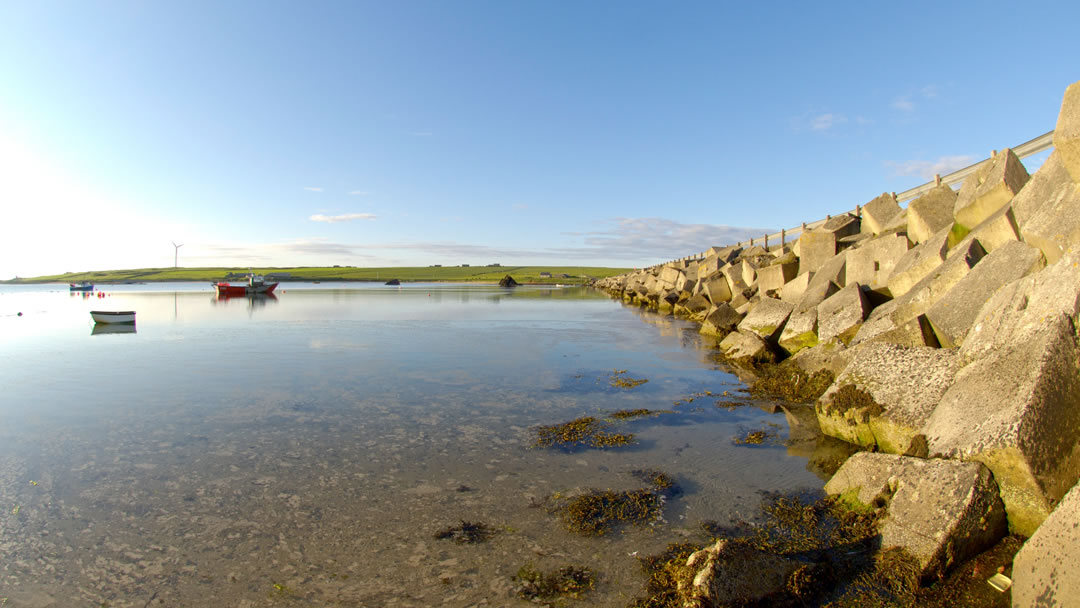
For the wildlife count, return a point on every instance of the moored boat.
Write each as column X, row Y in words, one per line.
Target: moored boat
column 255, row 285
column 84, row 286
column 113, row 316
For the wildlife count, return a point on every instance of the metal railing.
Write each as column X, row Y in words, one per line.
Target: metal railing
column 1034, row 146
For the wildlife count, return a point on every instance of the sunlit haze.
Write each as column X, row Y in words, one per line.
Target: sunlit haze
column 419, row 133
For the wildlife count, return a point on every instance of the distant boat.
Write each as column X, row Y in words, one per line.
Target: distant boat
column 255, row 285
column 84, row 286
column 113, row 316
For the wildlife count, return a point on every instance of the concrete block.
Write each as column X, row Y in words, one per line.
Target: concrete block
column 924, row 294
column 942, row 512
column 879, row 212
column 833, row 357
column 694, row 308
column 990, row 188
column 841, row 314
column 767, row 318
column 1046, row 570
column 725, row 254
column 997, row 230
column 733, row 274
column 793, row 290
column 716, row 288
column 748, row 268
column 897, row 225
column 873, row 263
column 774, row 277
column 670, row 275
column 819, row 245
column 720, row 321
column 1056, row 226
column 1049, row 183
column 918, row 262
column 800, row 331
column 953, row 315
column 906, row 385
column 1067, row 131
column 745, row 348
column 728, row 573
column 931, row 213
column 1013, row 407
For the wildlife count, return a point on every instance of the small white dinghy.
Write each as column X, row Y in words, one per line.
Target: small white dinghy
column 111, row 316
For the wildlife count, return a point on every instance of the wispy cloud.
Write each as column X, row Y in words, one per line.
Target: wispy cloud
column 313, row 189
column 359, row 193
column 824, row 122
column 519, row 206
column 345, row 217
column 904, row 104
column 926, row 169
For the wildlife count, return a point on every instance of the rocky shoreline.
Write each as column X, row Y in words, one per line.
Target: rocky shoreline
column 950, row 329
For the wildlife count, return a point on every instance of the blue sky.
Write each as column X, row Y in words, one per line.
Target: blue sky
column 417, row 133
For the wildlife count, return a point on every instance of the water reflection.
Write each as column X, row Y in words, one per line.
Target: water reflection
column 254, row 301
column 101, row 329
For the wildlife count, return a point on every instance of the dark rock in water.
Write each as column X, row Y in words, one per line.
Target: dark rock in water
column 393, row 282
column 508, row 281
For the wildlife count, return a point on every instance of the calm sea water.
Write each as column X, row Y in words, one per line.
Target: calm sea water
column 304, row 450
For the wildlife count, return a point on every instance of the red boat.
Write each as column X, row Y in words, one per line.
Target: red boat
column 255, row 285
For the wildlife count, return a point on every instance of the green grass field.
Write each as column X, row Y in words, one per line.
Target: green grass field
column 521, row 274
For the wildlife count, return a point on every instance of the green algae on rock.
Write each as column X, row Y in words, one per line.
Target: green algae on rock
column 789, row 382
column 637, row 413
column 596, row 512
column 619, row 379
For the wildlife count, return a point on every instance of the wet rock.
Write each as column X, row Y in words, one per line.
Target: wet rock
column 508, row 281
column 721, row 320
column 729, row 572
column 940, row 511
column 393, row 282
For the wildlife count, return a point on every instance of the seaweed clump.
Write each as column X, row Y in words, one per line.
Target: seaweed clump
column 580, row 432
column 790, row 382
column 596, row 512
column 853, row 399
column 637, row 413
column 619, row 379
column 568, row 581
column 466, row 533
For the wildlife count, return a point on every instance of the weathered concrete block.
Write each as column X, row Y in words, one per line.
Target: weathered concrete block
column 1046, row 570
column 670, row 276
column 873, row 263
column 1067, row 131
column 819, row 245
column 989, row 189
column 931, row 213
column 1049, row 183
column 841, row 314
column 924, row 294
column 733, row 274
column 997, row 230
column 905, row 385
column 1056, row 227
column 833, row 357
column 941, row 511
column 879, row 212
column 774, row 277
column 767, row 318
column 953, row 315
column 716, row 288
column 749, row 270
column 725, row 254
column 1013, row 407
column 745, row 348
column 694, row 307
column 918, row 262
column 898, row 224
column 720, row 321
column 833, row 270
column 800, row 331
column 793, row 290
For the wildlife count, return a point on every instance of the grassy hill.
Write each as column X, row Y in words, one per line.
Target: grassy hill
column 521, row 274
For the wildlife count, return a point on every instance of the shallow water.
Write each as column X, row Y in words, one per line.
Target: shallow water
column 304, row 450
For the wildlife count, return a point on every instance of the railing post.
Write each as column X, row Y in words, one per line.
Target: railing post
column 766, row 242
column 858, row 210
column 828, row 217
column 937, row 179
column 783, row 235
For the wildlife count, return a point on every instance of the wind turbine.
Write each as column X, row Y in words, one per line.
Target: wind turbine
column 176, row 252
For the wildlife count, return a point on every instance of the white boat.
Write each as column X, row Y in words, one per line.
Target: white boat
column 113, row 316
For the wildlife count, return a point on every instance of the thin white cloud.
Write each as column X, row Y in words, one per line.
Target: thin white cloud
column 927, row 169
column 358, row 193
column 930, row 91
column 313, row 189
column 824, row 122
column 904, row 104
column 519, row 206
column 345, row 217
